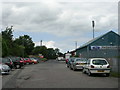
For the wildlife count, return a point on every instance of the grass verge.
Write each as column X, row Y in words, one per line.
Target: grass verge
column 115, row 74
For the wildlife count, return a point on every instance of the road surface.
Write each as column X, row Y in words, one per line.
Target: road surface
column 55, row 74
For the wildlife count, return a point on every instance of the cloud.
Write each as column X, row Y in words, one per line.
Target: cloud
column 55, row 17
column 69, row 19
column 49, row 44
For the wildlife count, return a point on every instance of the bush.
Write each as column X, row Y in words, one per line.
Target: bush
column 43, row 59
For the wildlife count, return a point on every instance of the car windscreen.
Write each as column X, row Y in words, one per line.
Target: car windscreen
column 99, row 62
column 15, row 58
column 82, row 60
column 4, row 60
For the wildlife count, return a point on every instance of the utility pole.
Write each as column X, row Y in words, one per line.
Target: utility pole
column 93, row 25
column 75, row 44
column 41, row 43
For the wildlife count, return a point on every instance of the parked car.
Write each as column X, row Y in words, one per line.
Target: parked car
column 38, row 59
column 28, row 60
column 97, row 66
column 24, row 61
column 8, row 62
column 78, row 63
column 18, row 62
column 34, row 61
column 4, row 69
column 60, row 58
column 70, row 60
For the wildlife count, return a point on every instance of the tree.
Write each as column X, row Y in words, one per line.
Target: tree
column 27, row 42
column 7, row 41
column 40, row 50
column 57, row 51
column 48, row 53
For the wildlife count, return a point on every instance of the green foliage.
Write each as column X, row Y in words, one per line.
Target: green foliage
column 43, row 59
column 48, row 53
column 115, row 74
column 22, row 46
column 27, row 42
column 51, row 53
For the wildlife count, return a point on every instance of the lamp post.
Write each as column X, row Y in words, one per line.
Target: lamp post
column 75, row 44
column 41, row 43
column 93, row 25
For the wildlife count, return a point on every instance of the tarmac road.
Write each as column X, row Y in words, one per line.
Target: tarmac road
column 55, row 74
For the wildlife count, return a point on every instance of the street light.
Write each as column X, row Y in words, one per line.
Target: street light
column 93, row 25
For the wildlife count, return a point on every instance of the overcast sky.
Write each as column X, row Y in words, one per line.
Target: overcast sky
column 60, row 23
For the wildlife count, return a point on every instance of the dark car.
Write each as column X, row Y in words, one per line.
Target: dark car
column 70, row 60
column 8, row 62
column 18, row 62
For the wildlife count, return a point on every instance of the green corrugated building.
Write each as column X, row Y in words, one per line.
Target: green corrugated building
column 105, row 46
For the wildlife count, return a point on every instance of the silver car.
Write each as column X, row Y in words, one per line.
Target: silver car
column 78, row 63
column 4, row 69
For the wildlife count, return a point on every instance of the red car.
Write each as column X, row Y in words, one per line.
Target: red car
column 28, row 61
column 24, row 61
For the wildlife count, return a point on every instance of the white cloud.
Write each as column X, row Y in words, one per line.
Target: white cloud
column 62, row 18
column 54, row 17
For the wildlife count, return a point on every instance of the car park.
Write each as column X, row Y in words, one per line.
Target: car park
column 78, row 63
column 97, row 66
column 8, row 62
column 18, row 62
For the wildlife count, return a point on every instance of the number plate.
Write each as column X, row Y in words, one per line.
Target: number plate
column 81, row 63
column 100, row 70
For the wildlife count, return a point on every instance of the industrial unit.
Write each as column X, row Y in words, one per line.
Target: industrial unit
column 105, row 46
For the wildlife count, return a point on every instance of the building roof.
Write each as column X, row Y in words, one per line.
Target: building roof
column 93, row 40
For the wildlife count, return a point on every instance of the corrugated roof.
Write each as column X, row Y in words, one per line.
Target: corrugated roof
column 91, row 41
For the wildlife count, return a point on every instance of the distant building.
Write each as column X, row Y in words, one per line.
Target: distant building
column 106, row 46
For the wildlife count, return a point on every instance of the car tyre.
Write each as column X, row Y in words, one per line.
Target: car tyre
column 67, row 66
column 89, row 73
column 74, row 68
column 18, row 66
column 84, row 71
column 107, row 74
column 70, row 68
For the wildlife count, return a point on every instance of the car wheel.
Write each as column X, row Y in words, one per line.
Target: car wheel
column 74, row 68
column 17, row 66
column 89, row 73
column 107, row 74
column 70, row 68
column 67, row 66
column 84, row 71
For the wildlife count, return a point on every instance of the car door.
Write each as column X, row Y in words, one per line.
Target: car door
column 71, row 63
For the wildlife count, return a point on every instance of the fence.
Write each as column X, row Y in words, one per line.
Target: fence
column 115, row 64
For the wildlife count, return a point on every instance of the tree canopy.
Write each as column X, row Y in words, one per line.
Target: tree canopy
column 23, row 46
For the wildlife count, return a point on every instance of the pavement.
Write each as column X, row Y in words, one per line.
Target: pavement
column 55, row 74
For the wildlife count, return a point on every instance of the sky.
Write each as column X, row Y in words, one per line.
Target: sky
column 59, row 23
